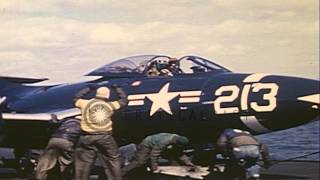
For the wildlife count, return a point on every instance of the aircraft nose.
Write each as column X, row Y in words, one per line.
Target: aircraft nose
column 298, row 102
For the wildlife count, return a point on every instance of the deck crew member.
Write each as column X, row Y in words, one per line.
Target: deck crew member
column 243, row 151
column 59, row 151
column 151, row 148
column 96, row 127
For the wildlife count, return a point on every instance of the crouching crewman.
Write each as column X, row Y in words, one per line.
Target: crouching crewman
column 242, row 151
column 59, row 152
column 151, row 148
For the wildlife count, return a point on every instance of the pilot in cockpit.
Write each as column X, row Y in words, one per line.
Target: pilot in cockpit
column 174, row 66
column 164, row 67
column 160, row 67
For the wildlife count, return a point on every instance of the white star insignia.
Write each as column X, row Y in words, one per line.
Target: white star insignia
column 161, row 100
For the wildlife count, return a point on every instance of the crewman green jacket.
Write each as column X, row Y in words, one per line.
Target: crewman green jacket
column 159, row 141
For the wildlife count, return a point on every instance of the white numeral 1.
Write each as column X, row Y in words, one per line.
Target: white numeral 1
column 244, row 97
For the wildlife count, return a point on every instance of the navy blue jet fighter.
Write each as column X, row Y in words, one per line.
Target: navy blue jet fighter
column 191, row 96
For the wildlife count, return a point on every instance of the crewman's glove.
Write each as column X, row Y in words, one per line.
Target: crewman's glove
column 119, row 85
column 80, row 94
column 83, row 91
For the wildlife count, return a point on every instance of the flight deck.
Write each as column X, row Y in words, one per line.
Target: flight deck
column 298, row 169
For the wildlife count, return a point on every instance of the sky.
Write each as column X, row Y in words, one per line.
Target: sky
column 62, row 40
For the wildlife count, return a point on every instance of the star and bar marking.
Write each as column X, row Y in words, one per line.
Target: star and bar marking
column 161, row 99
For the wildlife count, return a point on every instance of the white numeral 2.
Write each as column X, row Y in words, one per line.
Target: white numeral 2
column 223, row 99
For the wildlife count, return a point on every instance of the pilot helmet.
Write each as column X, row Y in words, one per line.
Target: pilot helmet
column 162, row 63
column 103, row 92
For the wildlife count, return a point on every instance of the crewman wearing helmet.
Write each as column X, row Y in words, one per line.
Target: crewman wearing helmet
column 243, row 151
column 96, row 137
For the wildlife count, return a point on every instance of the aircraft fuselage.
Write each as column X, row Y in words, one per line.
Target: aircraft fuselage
column 196, row 106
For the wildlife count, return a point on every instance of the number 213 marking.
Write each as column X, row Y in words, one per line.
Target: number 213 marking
column 234, row 94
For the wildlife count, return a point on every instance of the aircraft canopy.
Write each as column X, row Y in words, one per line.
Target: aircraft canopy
column 140, row 64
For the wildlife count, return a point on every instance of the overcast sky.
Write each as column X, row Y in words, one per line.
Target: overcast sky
column 64, row 39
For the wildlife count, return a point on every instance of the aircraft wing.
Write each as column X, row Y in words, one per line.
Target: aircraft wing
column 58, row 115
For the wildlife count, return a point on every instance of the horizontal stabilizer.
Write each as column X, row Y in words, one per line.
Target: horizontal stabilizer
column 22, row 80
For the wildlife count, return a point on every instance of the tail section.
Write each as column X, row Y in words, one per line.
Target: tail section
column 12, row 88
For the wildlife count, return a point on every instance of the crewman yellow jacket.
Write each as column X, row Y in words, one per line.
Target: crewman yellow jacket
column 96, row 115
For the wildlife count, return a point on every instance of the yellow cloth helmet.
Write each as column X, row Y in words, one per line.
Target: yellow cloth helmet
column 103, row 92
